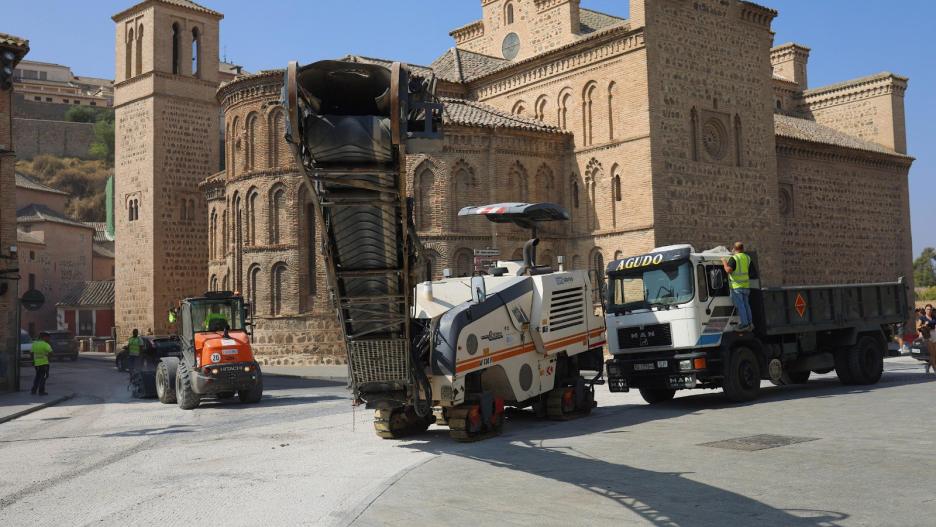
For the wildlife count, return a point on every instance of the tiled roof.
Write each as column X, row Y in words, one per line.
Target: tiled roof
column 853, row 82
column 188, row 4
column 591, row 21
column 104, row 249
column 26, row 182
column 100, row 231
column 90, row 294
column 471, row 113
column 28, row 237
column 13, row 41
column 806, row 130
column 36, row 213
column 459, row 65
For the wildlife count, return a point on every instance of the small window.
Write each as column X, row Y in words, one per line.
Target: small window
column 37, row 98
column 92, row 103
column 510, row 14
column 47, row 99
column 32, row 255
column 32, row 281
column 43, row 76
column 65, row 101
column 701, row 285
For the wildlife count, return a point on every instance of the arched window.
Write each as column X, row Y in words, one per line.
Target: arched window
column 463, row 264
column 509, row 13
column 615, row 194
column 593, row 174
column 611, row 110
column 278, row 284
column 519, row 108
column 693, row 140
column 139, row 50
column 213, row 283
column 238, row 231
column 565, row 100
column 545, row 184
column 253, row 280
column 737, row 139
column 196, row 52
column 539, row 109
column 176, row 49
column 597, row 261
column 234, row 145
column 277, row 215
column 251, row 141
column 213, row 235
column 432, row 263
column 225, row 283
column 277, row 128
column 518, row 183
column 587, row 97
column 128, row 55
column 252, row 200
column 466, row 192
column 224, row 235
column 618, row 255
column 575, row 192
column 425, row 183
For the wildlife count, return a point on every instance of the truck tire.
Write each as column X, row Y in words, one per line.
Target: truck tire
column 866, row 360
column 254, row 394
column 166, row 380
column 842, row 367
column 185, row 395
column 742, row 379
column 657, row 395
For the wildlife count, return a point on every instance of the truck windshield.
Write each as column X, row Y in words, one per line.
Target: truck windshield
column 665, row 285
column 217, row 315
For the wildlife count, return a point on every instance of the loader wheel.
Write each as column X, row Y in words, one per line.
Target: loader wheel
column 657, row 395
column 185, row 395
column 165, row 383
column 742, row 380
column 254, row 394
column 866, row 360
column 400, row 422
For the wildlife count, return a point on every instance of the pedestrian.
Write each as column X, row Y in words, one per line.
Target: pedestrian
column 738, row 268
column 40, row 353
column 134, row 345
column 927, row 328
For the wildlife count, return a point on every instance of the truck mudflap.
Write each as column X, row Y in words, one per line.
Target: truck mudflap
column 219, row 378
column 676, row 371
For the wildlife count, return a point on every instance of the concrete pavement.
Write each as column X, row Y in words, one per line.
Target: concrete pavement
column 302, row 457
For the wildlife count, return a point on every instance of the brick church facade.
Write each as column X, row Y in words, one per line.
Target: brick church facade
column 679, row 124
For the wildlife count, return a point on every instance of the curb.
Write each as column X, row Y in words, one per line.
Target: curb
column 36, row 408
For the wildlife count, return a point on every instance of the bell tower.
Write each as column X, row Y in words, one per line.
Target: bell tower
column 167, row 129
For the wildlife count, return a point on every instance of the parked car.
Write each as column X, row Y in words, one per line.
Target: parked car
column 154, row 349
column 64, row 345
column 25, row 346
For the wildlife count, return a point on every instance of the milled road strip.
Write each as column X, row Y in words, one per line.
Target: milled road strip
column 36, row 408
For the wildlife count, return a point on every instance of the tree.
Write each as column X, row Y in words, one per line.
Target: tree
column 924, row 273
column 103, row 145
column 81, row 114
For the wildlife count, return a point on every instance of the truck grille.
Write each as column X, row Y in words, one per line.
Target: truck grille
column 645, row 336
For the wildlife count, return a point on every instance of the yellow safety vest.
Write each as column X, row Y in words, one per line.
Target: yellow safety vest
column 211, row 317
column 739, row 278
column 40, row 352
column 134, row 345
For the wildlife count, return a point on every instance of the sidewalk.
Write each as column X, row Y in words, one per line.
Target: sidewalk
column 328, row 373
column 18, row 404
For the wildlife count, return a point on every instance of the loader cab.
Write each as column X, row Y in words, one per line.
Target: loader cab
column 217, row 321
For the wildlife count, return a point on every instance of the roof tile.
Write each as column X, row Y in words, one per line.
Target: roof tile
column 36, row 213
column 471, row 113
column 92, row 293
column 26, row 182
column 806, row 130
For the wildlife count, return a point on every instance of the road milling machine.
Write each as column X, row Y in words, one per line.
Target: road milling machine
column 453, row 351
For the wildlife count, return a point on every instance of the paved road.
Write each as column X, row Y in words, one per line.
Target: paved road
column 864, row 457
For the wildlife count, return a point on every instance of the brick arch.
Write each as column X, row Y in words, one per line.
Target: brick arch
column 235, row 146
column 519, row 108
column 278, row 288
column 518, row 183
column 277, row 149
column 464, row 191
column 251, row 135
column 615, row 193
column 545, row 184
column 250, row 221
column 612, row 93
column 539, row 107
column 277, row 213
column 254, row 287
column 563, row 104
column 594, row 172
column 462, row 262
column 432, row 262
column 425, row 187
column 588, row 99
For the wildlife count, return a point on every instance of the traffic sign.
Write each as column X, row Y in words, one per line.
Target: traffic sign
column 32, row 299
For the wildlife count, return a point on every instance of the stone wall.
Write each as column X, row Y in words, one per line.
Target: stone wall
column 9, row 333
column 33, row 137
column 845, row 215
column 712, row 99
column 541, row 25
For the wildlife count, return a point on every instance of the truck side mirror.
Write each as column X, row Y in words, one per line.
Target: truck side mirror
column 717, row 279
column 478, row 289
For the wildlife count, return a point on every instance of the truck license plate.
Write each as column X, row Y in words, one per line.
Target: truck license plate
column 644, row 366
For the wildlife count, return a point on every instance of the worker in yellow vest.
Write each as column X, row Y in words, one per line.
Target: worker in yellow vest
column 134, row 346
column 738, row 268
column 40, row 354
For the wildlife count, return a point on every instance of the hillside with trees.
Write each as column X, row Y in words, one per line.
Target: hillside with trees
column 84, row 180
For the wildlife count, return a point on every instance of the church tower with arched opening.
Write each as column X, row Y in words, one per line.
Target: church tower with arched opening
column 167, row 129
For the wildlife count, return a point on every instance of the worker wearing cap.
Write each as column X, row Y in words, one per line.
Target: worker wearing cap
column 738, row 268
column 134, row 347
column 40, row 353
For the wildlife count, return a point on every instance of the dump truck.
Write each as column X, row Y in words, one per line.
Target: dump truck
column 217, row 359
column 673, row 326
column 454, row 351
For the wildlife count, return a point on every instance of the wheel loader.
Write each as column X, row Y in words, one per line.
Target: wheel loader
column 217, row 360
column 455, row 351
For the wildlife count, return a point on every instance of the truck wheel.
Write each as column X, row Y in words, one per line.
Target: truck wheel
column 254, row 394
column 742, row 380
column 185, row 395
column 842, row 367
column 866, row 360
column 165, row 382
column 657, row 395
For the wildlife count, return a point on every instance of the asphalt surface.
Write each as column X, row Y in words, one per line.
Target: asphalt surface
column 846, row 456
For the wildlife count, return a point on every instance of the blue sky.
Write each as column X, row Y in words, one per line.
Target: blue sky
column 849, row 38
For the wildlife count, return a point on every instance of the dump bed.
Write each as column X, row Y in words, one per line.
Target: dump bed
column 799, row 309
